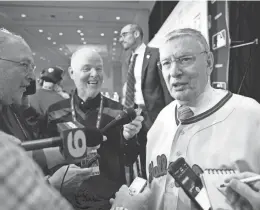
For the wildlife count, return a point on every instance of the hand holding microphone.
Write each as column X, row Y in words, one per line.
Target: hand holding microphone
column 75, row 138
column 75, row 176
column 133, row 128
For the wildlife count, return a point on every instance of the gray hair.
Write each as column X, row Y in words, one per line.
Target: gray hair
column 85, row 50
column 188, row 32
column 7, row 37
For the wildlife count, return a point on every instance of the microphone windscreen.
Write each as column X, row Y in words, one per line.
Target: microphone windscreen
column 94, row 137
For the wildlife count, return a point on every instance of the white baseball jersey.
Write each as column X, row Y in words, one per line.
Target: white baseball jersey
column 225, row 136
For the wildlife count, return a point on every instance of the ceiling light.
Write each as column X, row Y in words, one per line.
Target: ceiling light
column 102, row 34
column 60, row 49
column 60, row 33
column 114, row 49
column 53, row 42
column 114, row 43
column 23, row 15
column 82, row 38
column 40, row 30
column 79, row 31
column 115, row 39
column 49, row 38
column 81, row 17
column 81, row 34
column 118, row 18
column 116, row 32
column 34, row 53
column 84, row 42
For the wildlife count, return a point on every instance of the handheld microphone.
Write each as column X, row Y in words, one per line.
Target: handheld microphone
column 74, row 139
column 125, row 117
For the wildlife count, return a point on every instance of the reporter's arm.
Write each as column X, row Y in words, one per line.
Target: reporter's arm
column 22, row 183
column 241, row 195
column 131, row 142
column 73, row 178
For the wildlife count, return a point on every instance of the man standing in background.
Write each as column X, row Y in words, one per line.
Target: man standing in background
column 50, row 92
column 145, row 85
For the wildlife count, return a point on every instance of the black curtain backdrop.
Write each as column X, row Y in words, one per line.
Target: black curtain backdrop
column 219, row 31
column 245, row 27
column 160, row 12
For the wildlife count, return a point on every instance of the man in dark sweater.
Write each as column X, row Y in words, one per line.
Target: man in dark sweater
column 90, row 108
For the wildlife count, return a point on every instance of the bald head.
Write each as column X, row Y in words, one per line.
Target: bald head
column 131, row 37
column 135, row 27
column 84, row 54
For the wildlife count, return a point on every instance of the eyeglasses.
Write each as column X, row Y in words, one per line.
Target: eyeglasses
column 24, row 64
column 182, row 61
column 124, row 34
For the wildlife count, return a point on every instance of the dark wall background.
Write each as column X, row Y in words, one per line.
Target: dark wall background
column 160, row 12
column 245, row 27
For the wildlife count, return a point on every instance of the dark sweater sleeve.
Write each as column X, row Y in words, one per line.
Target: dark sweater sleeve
column 131, row 149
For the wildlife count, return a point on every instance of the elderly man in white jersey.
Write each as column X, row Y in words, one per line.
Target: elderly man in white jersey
column 209, row 127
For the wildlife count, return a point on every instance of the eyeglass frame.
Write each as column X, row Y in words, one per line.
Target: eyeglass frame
column 177, row 60
column 124, row 34
column 30, row 66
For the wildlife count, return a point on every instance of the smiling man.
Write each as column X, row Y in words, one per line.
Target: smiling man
column 90, row 108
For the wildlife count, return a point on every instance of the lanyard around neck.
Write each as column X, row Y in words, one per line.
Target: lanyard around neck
column 100, row 111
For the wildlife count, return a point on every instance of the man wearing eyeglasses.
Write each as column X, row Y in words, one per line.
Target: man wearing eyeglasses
column 22, row 184
column 145, row 86
column 209, row 127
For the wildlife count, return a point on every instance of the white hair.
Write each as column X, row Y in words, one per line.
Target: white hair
column 188, row 32
column 84, row 51
column 7, row 37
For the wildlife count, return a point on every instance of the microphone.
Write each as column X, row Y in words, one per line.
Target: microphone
column 125, row 117
column 74, row 139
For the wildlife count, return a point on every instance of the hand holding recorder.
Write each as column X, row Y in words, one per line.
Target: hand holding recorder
column 190, row 182
column 135, row 197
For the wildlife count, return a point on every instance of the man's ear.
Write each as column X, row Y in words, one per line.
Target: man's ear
column 137, row 34
column 70, row 70
column 210, row 63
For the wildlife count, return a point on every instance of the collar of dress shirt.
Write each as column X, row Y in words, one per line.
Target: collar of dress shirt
column 209, row 98
column 91, row 103
column 140, row 49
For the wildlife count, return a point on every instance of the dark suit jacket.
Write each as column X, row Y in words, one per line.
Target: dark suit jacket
column 155, row 93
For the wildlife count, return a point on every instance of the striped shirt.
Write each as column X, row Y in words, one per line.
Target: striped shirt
column 22, row 183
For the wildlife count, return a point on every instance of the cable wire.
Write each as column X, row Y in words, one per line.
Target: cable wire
column 64, row 178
